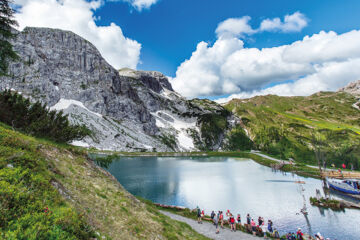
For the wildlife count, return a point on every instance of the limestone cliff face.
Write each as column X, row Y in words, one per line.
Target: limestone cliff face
column 59, row 64
column 352, row 88
column 127, row 110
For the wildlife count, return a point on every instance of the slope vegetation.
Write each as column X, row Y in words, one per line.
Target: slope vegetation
column 52, row 191
column 286, row 126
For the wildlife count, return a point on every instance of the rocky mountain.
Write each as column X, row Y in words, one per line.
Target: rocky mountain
column 126, row 110
column 352, row 88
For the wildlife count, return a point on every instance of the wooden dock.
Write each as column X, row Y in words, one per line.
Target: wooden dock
column 340, row 175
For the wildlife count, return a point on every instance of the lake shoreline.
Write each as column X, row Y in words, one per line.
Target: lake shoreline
column 297, row 168
column 149, row 162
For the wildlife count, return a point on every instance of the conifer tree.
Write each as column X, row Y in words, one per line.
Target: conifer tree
column 36, row 119
column 7, row 21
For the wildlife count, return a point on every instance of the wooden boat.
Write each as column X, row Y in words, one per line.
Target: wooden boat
column 349, row 186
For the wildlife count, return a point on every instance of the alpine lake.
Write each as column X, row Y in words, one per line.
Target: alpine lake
column 239, row 185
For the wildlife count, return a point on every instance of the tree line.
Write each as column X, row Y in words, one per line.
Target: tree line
column 37, row 119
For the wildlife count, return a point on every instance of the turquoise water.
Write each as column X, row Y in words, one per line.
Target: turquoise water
column 240, row 185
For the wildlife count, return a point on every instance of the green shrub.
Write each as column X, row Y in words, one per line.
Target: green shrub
column 104, row 161
column 169, row 140
column 212, row 127
column 238, row 140
column 36, row 119
column 30, row 207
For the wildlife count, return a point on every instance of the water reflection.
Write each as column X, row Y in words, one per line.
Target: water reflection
column 241, row 185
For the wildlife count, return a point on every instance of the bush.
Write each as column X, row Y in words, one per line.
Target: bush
column 238, row 140
column 168, row 140
column 30, row 207
column 104, row 161
column 211, row 127
column 37, row 120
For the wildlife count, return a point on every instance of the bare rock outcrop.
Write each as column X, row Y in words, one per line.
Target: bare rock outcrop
column 127, row 110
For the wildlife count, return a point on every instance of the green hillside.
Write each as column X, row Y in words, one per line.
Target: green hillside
column 52, row 191
column 286, row 126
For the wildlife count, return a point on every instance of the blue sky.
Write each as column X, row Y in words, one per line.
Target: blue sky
column 170, row 30
column 218, row 49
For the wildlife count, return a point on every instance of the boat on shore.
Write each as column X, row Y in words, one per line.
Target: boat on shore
column 349, row 186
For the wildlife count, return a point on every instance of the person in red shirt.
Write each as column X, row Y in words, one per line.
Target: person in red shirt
column 299, row 234
column 232, row 223
column 221, row 219
column 253, row 226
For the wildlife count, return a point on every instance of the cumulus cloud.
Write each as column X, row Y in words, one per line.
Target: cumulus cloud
column 202, row 71
column 330, row 77
column 78, row 16
column 234, row 27
column 142, row 4
column 292, row 23
column 139, row 5
column 240, row 27
column 323, row 61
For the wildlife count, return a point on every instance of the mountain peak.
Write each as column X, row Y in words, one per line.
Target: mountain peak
column 352, row 88
column 154, row 80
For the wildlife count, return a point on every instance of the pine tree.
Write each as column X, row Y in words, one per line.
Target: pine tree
column 36, row 119
column 6, row 23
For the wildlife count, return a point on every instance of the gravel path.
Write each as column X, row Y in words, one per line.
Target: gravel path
column 265, row 156
column 285, row 161
column 208, row 229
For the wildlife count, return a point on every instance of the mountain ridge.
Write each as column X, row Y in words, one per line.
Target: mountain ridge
column 127, row 110
column 130, row 110
column 285, row 127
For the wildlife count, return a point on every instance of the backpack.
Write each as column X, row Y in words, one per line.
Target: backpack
column 299, row 236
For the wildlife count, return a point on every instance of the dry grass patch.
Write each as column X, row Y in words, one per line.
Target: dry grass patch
column 110, row 209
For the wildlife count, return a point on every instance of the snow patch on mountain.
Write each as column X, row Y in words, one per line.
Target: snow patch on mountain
column 80, row 144
column 168, row 121
column 356, row 105
column 66, row 103
column 171, row 95
column 107, row 133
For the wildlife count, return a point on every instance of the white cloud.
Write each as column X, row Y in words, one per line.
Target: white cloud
column 234, row 27
column 78, row 16
column 324, row 61
column 142, row 4
column 201, row 74
column 292, row 23
column 240, row 27
column 329, row 77
column 139, row 5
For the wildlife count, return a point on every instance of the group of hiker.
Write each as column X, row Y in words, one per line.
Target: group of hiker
column 235, row 222
column 258, row 228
